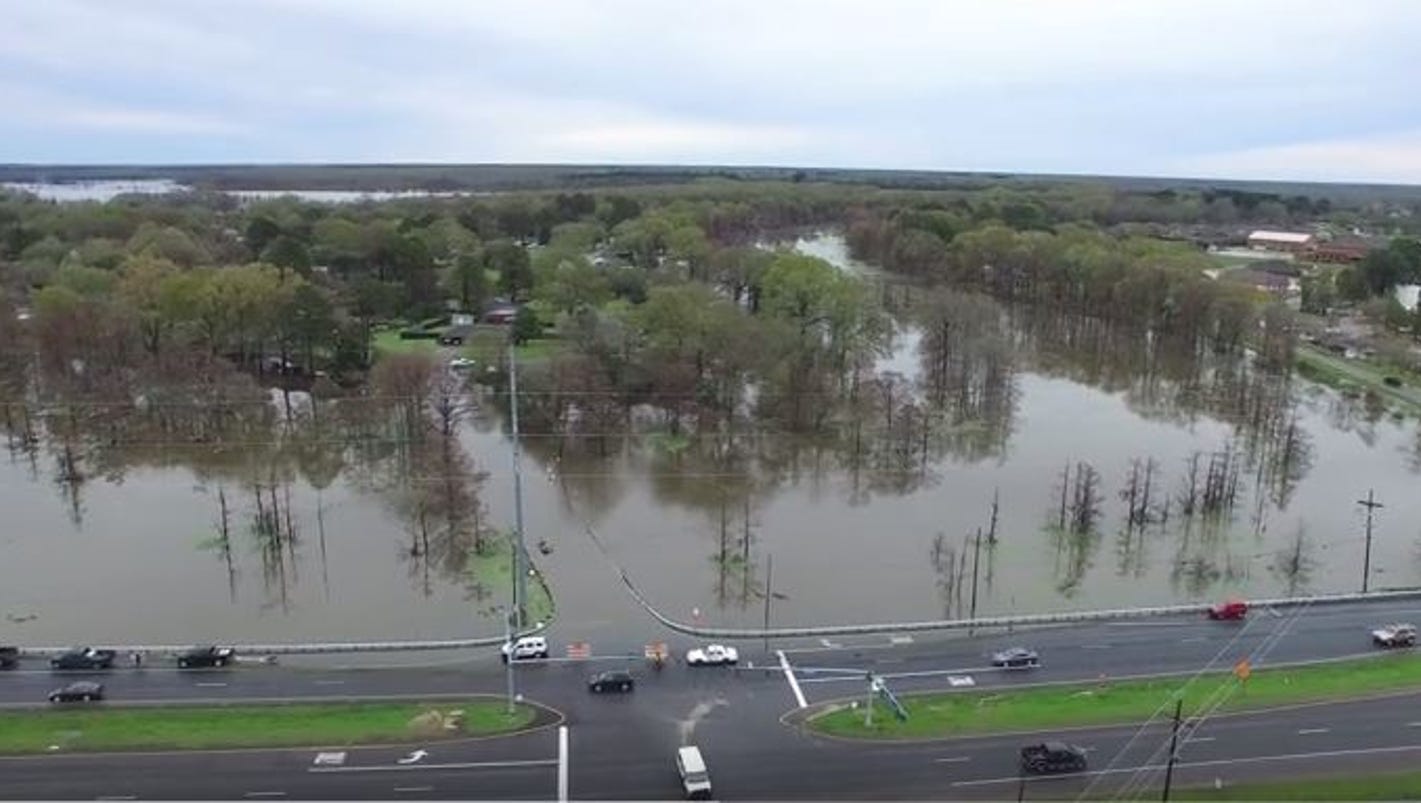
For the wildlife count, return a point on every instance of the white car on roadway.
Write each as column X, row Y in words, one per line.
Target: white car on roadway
column 712, row 655
column 526, row 648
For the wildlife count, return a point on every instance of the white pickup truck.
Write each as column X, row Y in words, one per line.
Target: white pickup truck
column 1395, row 635
column 712, row 655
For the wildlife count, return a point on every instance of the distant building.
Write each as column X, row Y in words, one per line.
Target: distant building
column 500, row 312
column 1340, row 249
column 1291, row 242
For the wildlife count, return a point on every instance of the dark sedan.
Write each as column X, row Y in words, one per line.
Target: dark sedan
column 616, row 680
column 1016, row 658
column 84, row 658
column 82, row 692
column 206, row 657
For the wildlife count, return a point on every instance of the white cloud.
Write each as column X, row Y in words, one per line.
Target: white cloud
column 1386, row 159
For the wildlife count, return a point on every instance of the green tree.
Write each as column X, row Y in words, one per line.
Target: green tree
column 526, row 326
column 515, row 269
column 467, row 280
column 140, row 287
column 307, row 322
column 288, row 254
column 167, row 242
column 261, row 231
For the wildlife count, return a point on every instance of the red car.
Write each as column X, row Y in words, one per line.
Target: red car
column 1230, row 610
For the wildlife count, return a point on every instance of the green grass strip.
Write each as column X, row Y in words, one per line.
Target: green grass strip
column 948, row 714
column 1383, row 786
column 99, row 727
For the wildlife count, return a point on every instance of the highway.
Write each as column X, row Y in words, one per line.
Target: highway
column 623, row 746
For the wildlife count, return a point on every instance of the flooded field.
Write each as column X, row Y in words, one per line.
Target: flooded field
column 1122, row 475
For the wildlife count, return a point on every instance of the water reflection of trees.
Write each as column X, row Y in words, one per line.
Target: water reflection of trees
column 257, row 452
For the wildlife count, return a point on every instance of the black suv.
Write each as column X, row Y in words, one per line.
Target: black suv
column 203, row 657
column 9, row 657
column 84, row 658
column 615, row 680
column 1052, row 757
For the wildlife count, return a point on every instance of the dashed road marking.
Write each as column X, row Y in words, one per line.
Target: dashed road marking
column 1310, row 731
column 1095, row 646
column 832, row 645
column 334, row 759
column 900, row 639
column 468, row 765
column 211, row 685
column 1197, row 739
column 330, row 683
column 952, row 760
column 1193, row 639
column 414, row 789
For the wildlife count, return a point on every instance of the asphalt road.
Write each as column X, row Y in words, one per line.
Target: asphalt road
column 623, row 746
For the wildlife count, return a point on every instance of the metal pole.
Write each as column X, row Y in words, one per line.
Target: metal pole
column 769, row 589
column 976, row 558
column 1173, row 749
column 508, row 659
column 868, row 704
column 1370, row 504
column 520, row 573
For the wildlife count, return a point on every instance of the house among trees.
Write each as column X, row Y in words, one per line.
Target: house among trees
column 500, row 312
column 1285, row 241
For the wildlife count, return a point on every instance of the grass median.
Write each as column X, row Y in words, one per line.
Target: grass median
column 98, row 727
column 948, row 714
column 1382, row 786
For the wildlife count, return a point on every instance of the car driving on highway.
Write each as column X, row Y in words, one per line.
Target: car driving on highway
column 9, row 657
column 1229, row 610
column 525, row 649
column 1051, row 757
column 84, row 658
column 619, row 680
column 1397, row 634
column 83, row 691
column 204, row 657
column 1016, row 658
column 712, row 655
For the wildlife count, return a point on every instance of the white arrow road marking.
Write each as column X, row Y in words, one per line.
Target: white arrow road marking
column 413, row 758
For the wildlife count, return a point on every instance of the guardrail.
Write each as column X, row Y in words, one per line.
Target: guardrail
column 1025, row 620
column 299, row 649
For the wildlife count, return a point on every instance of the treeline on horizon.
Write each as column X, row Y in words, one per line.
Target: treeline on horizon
column 507, row 177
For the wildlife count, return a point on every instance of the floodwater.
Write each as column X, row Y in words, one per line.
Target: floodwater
column 104, row 191
column 837, row 536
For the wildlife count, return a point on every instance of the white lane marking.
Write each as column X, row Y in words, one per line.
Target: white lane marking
column 1413, row 724
column 958, row 681
column 263, row 794
column 830, row 645
column 467, row 765
column 117, row 797
column 1308, row 731
column 1211, row 763
column 900, row 640
column 1151, row 624
column 1095, row 646
column 1197, row 739
column 562, row 762
column 329, row 759
column 414, row 789
column 952, row 760
column 1193, row 639
column 211, row 685
column 793, row 682
column 330, row 683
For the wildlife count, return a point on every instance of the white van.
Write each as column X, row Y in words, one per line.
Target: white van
column 694, row 777
column 526, row 648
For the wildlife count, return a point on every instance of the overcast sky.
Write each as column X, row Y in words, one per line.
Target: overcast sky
column 1292, row 89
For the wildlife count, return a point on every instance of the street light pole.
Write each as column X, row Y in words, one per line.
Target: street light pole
column 508, row 659
column 1173, row 750
column 1370, row 504
column 520, row 572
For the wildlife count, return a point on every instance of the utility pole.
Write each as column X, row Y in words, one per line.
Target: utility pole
column 976, row 559
column 1370, row 504
column 1173, row 749
column 868, row 704
column 508, row 659
column 520, row 572
column 769, row 589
